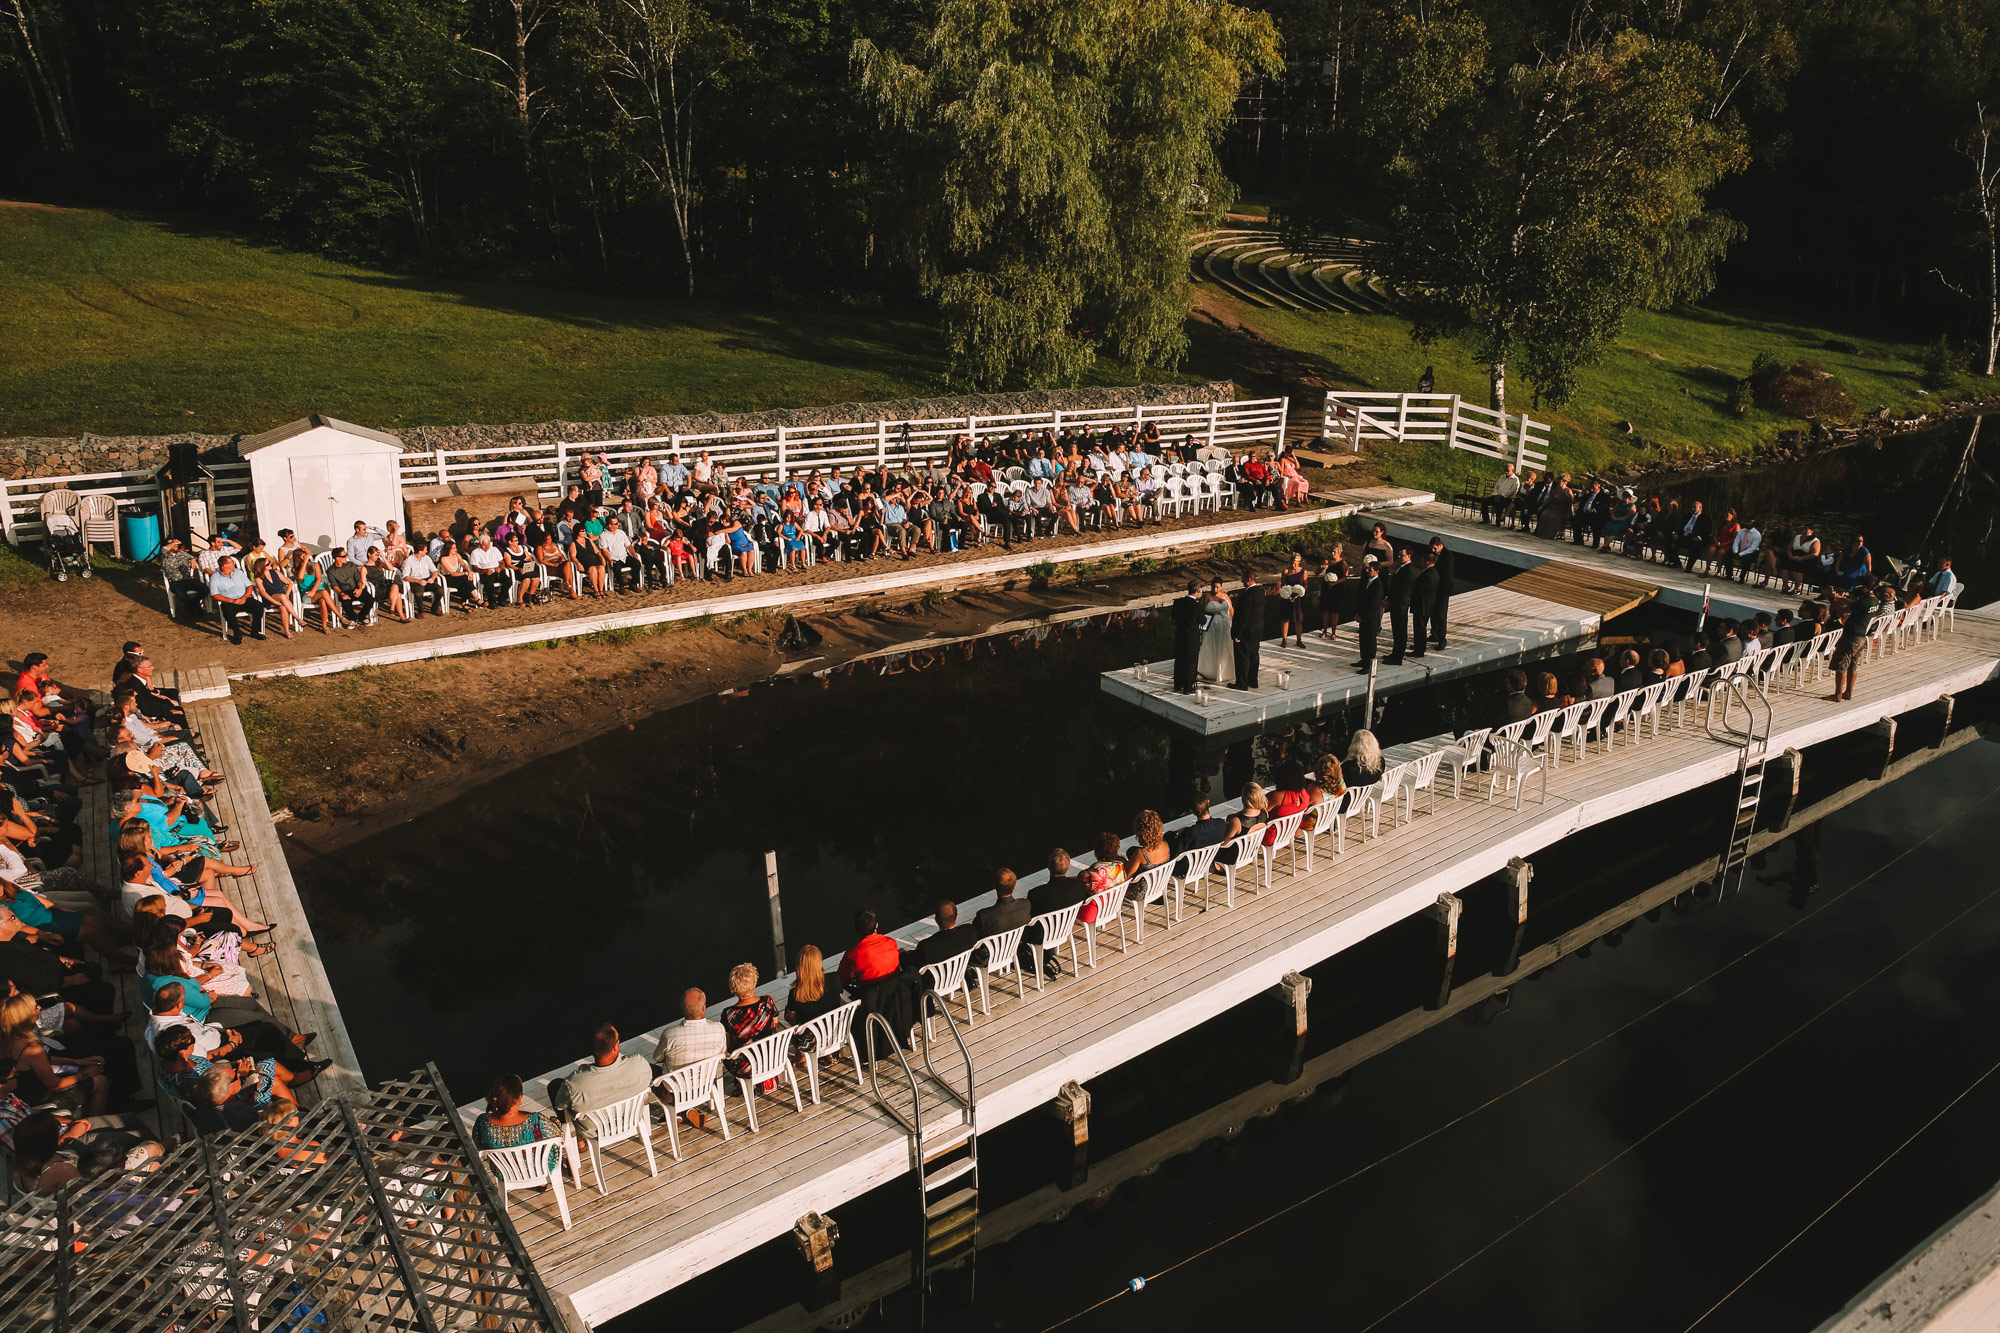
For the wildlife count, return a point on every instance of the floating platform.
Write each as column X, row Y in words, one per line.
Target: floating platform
column 1487, row 628
column 649, row 1234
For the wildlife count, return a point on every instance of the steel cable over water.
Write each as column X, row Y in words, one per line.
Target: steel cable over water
column 1583, row 1050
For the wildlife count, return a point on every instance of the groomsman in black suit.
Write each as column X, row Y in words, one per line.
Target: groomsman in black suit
column 1247, row 628
column 1187, row 637
column 1424, row 598
column 1402, row 586
column 1441, row 602
column 1374, row 596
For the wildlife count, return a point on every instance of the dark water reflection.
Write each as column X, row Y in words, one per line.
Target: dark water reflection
column 1892, row 493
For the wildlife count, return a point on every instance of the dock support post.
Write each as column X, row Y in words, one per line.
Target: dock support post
column 1944, row 706
column 1293, row 988
column 1517, row 876
column 1073, row 1105
column 777, row 912
column 1788, row 788
column 1448, row 909
column 815, row 1234
column 1885, row 732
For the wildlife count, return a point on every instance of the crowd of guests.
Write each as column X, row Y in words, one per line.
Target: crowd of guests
column 660, row 519
column 70, row 1093
column 1733, row 545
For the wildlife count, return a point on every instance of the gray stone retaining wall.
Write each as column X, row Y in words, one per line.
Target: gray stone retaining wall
column 52, row 457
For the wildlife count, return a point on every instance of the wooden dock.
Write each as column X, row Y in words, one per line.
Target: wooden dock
column 1488, row 628
column 776, row 595
column 290, row 981
column 1673, row 585
column 649, row 1235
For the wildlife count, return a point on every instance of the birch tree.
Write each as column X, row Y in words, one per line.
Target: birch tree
column 1983, row 199
column 499, row 33
column 36, row 51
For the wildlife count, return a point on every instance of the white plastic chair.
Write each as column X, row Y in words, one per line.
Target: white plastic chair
column 1621, row 703
column 1192, row 868
column 1468, row 752
column 1279, row 834
column 1003, row 958
column 616, row 1123
column 830, row 1032
column 1323, row 818
column 1514, row 763
column 1058, row 928
column 697, row 1085
column 1242, row 852
column 1110, row 907
column 1147, row 887
column 1420, row 774
column 530, row 1166
column 949, row 978
column 768, row 1057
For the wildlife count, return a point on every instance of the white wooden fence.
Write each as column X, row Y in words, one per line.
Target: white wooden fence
column 1443, row 418
column 782, row 451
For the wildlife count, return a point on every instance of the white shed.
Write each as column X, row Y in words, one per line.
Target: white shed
column 318, row 475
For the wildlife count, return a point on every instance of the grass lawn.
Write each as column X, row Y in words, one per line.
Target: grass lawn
column 1669, row 374
column 123, row 325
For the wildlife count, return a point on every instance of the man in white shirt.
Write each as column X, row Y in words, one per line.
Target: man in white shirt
column 691, row 1041
column 363, row 539
column 617, row 549
column 420, row 572
column 1942, row 582
column 487, row 561
column 674, row 476
column 1742, row 553
column 1505, row 487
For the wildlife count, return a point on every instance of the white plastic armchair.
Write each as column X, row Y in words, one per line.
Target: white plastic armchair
column 1514, row 763
column 1468, row 752
column 1565, row 727
column 1146, row 888
column 1620, row 704
column 689, row 1088
column 1058, row 928
column 1234, row 857
column 1193, row 869
column 1280, row 835
column 616, row 1123
column 1110, row 905
column 527, row 1166
column 830, row 1034
column 1420, row 774
column 949, row 978
column 1002, row 953
column 769, row 1058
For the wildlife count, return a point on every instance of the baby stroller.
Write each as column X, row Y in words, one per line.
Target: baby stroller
column 62, row 521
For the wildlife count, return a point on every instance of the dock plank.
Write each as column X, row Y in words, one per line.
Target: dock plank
column 648, row 1235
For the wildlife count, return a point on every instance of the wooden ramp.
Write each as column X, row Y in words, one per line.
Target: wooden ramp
column 1488, row 628
column 722, row 1199
column 1598, row 591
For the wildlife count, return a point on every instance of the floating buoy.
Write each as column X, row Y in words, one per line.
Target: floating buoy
column 1136, row 1284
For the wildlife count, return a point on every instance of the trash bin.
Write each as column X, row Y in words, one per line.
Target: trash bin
column 141, row 534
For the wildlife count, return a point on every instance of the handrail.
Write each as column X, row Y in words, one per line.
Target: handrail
column 875, row 1079
column 1737, row 688
column 967, row 1099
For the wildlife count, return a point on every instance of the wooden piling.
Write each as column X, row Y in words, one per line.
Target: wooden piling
column 1447, row 910
column 1073, row 1105
column 1293, row 988
column 815, row 1234
column 1944, row 705
column 1787, row 788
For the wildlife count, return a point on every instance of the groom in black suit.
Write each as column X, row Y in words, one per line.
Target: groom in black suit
column 1248, row 630
column 1187, row 637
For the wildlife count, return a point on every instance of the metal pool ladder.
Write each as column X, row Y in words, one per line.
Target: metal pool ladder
column 945, row 1151
column 1754, row 747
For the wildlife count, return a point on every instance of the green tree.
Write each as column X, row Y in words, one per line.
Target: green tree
column 1530, row 206
column 1059, row 155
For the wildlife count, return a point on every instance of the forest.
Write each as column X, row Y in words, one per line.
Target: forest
column 1030, row 173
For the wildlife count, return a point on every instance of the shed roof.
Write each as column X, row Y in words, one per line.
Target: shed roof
column 251, row 444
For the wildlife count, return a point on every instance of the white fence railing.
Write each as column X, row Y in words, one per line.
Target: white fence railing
column 781, row 450
column 1442, row 418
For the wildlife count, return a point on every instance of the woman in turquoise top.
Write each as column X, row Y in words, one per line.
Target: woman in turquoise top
column 503, row 1124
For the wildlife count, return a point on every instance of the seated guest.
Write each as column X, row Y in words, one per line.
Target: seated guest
column 873, row 957
column 1784, row 631
column 694, row 1038
column 1295, row 794
column 504, row 1124
column 250, row 1030
column 181, row 1070
column 1007, row 911
column 1206, row 831
column 1363, row 765
column 753, row 1015
column 1630, row 676
column 1517, row 707
column 1698, row 657
column 51, row 1151
column 219, row 1102
column 1547, row 694
column 1107, row 871
column 811, row 997
column 349, row 585
column 610, row 1078
column 950, row 940
column 1061, row 889
column 1149, row 848
column 1596, row 685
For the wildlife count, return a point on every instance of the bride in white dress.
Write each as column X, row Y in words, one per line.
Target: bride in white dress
column 1217, row 662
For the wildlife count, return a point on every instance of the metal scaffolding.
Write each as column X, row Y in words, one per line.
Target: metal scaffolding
column 371, row 1212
